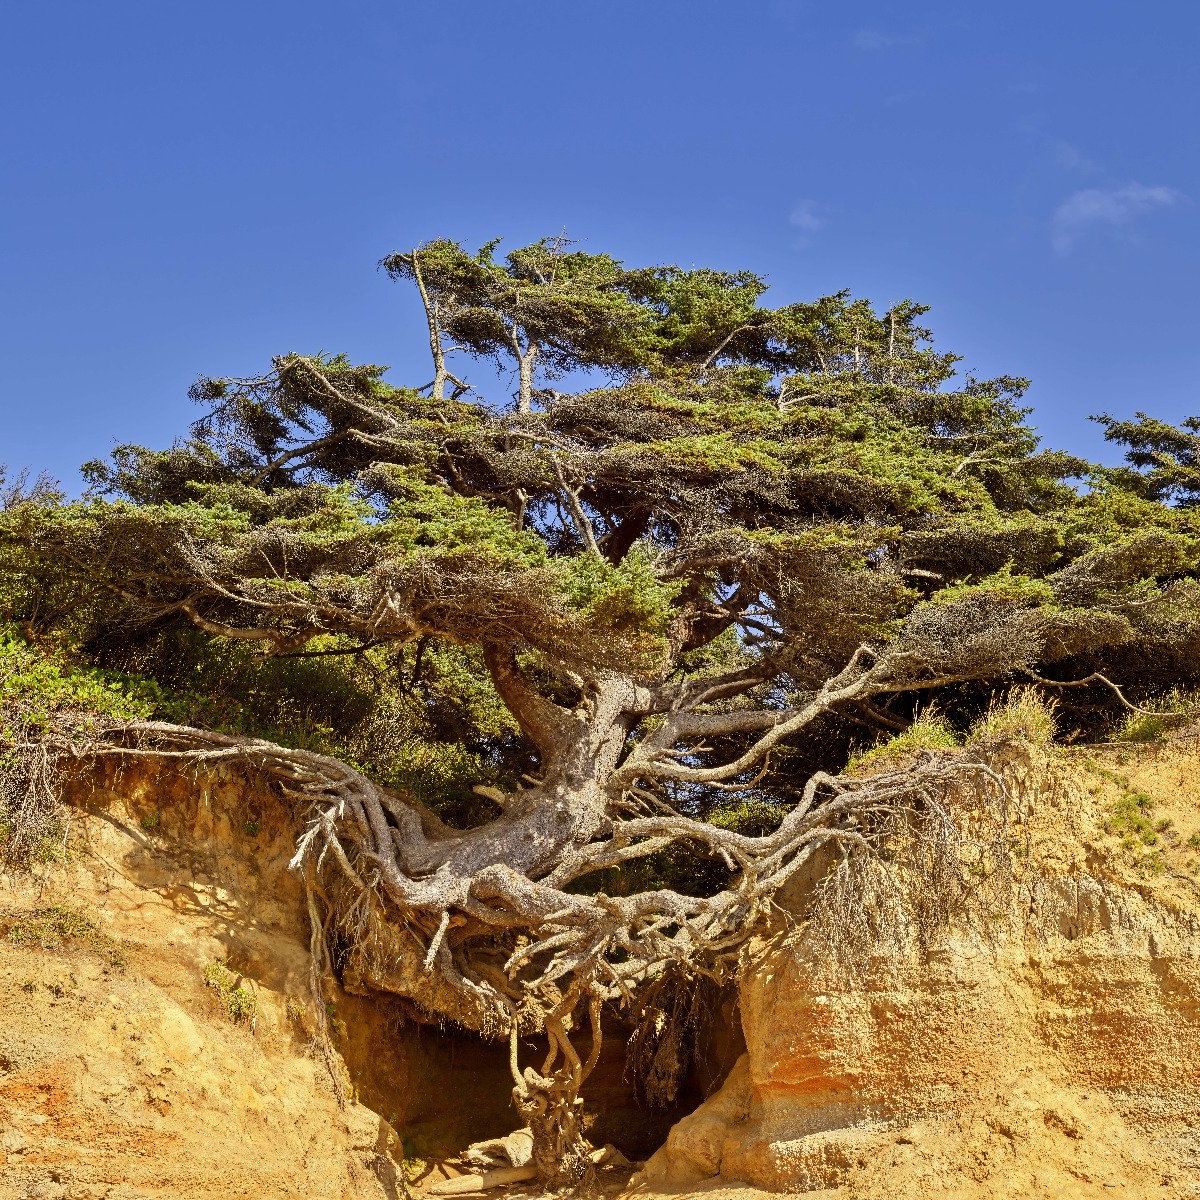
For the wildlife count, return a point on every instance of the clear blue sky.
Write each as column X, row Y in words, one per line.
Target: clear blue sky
column 191, row 187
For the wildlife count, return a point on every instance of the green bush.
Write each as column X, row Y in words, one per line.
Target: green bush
column 237, row 998
column 42, row 690
column 1023, row 715
column 37, row 685
column 928, row 732
column 1129, row 817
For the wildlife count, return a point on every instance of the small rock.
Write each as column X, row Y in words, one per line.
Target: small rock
column 14, row 1141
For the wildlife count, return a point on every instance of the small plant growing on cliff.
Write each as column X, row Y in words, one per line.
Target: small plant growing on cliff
column 929, row 731
column 1023, row 715
column 1129, row 816
column 1176, row 710
column 236, row 996
column 59, row 928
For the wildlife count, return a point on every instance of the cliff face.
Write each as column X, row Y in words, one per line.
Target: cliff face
column 157, row 1021
column 1054, row 1054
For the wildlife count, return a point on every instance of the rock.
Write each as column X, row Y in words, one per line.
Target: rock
column 13, row 1141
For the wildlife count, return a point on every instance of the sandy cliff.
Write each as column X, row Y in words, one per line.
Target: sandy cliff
column 157, row 1021
column 1059, row 1055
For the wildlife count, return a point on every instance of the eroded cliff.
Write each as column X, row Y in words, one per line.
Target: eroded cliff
column 159, row 1033
column 1054, row 1052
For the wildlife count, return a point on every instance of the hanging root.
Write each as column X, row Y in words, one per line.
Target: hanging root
column 318, row 970
column 663, row 1045
column 33, row 822
column 929, row 865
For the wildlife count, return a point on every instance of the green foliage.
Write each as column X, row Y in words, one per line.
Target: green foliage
column 1175, row 710
column 38, row 686
column 752, row 816
column 44, row 691
column 929, row 731
column 1001, row 587
column 1163, row 459
column 337, row 563
column 1129, row 818
column 626, row 601
column 1023, row 715
column 235, row 994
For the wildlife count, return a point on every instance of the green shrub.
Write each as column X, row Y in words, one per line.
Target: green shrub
column 237, row 998
column 1024, row 715
column 43, row 691
column 1129, row 817
column 37, row 684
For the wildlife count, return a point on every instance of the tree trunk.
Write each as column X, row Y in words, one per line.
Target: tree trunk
column 525, row 361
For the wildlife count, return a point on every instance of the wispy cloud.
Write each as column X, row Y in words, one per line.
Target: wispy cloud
column 1070, row 157
column 806, row 218
column 1094, row 209
column 874, row 39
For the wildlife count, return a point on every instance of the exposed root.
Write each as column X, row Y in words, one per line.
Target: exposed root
column 473, row 926
column 662, row 1047
column 319, row 967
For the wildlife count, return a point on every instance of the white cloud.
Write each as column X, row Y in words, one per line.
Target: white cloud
column 873, row 38
column 806, row 217
column 1098, row 208
column 1070, row 157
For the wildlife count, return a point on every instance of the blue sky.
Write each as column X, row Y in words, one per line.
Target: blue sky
column 192, row 187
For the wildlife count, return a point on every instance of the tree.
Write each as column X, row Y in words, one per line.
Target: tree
column 771, row 534
column 1163, row 460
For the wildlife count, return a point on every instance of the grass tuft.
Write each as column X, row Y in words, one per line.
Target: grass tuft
column 1177, row 709
column 1024, row 715
column 928, row 732
column 59, row 929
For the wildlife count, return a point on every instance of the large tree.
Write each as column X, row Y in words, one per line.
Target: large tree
column 753, row 536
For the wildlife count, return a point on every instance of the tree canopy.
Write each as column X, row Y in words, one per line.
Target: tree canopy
column 753, row 539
